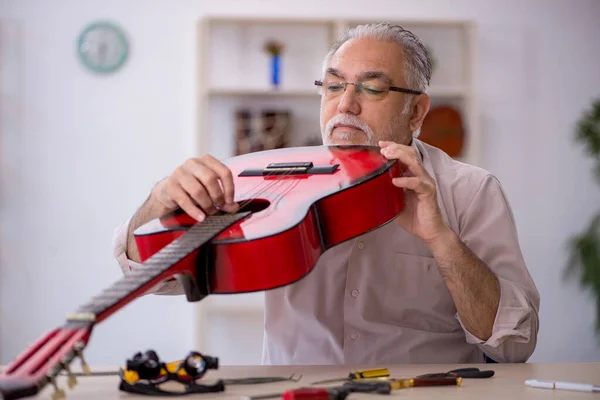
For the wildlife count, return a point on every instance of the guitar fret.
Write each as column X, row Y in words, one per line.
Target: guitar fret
column 174, row 252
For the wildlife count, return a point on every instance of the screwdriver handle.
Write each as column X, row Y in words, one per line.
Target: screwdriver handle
column 306, row 394
column 369, row 387
column 437, row 381
column 370, row 373
column 314, row 394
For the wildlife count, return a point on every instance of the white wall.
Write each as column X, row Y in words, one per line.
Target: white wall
column 85, row 151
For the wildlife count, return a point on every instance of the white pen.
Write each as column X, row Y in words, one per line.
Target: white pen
column 581, row 387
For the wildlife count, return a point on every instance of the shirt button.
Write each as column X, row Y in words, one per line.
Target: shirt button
column 354, row 336
column 354, row 293
column 361, row 245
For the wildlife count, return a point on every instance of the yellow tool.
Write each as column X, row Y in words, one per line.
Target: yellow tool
column 364, row 374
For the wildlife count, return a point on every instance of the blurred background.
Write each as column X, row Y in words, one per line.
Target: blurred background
column 102, row 99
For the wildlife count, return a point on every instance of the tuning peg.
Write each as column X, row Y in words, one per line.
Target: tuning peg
column 79, row 352
column 58, row 392
column 71, row 379
column 84, row 365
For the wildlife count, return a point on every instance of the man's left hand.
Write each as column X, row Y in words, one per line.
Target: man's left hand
column 421, row 215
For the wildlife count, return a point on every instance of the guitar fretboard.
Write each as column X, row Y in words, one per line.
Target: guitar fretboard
column 195, row 237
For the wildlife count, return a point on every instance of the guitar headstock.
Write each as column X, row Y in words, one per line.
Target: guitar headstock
column 43, row 361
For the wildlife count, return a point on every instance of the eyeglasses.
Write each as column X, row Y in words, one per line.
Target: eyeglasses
column 372, row 90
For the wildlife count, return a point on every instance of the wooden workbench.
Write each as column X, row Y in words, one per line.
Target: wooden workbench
column 507, row 383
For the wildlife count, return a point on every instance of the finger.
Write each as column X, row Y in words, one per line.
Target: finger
column 225, row 176
column 414, row 183
column 198, row 192
column 210, row 181
column 185, row 202
column 406, row 155
column 385, row 143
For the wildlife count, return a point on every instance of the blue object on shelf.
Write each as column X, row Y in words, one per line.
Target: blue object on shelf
column 275, row 69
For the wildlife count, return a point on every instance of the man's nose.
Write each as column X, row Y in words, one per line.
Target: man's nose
column 349, row 101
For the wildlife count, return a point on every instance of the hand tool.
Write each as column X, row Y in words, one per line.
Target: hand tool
column 364, row 374
column 307, row 393
column 261, row 379
column 385, row 386
column 461, row 373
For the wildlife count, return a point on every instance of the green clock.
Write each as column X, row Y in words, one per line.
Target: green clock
column 102, row 47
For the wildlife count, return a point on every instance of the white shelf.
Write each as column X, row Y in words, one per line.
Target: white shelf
column 310, row 92
column 434, row 91
column 241, row 302
column 242, row 309
column 448, row 91
column 233, row 74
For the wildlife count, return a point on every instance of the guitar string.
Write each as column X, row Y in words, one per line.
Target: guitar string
column 255, row 190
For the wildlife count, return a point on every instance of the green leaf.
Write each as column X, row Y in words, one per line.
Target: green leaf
column 584, row 258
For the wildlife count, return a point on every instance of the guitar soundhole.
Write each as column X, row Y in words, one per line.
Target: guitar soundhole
column 254, row 205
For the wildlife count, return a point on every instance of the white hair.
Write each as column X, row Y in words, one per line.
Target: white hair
column 417, row 64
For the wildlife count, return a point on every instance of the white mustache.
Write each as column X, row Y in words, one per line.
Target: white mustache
column 349, row 120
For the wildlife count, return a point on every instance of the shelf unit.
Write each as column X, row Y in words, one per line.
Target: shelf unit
column 233, row 72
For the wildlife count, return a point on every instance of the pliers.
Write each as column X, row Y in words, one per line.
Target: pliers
column 462, row 373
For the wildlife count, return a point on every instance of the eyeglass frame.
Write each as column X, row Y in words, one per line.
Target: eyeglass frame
column 392, row 88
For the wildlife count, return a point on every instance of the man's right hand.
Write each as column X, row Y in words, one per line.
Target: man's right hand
column 200, row 186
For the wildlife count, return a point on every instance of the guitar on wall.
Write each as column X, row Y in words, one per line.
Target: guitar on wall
column 295, row 203
column 443, row 128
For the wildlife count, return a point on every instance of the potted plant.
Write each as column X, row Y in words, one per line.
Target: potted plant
column 584, row 248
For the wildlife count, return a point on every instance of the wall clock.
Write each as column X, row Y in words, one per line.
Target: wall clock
column 102, row 47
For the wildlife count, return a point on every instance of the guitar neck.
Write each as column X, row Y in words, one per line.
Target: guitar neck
column 154, row 270
column 44, row 359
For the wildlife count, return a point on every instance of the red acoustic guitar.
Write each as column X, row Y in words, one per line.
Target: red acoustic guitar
column 295, row 204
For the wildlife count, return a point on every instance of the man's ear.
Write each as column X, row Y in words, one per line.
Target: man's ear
column 419, row 110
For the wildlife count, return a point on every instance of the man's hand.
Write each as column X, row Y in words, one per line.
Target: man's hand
column 421, row 216
column 200, row 186
column 473, row 287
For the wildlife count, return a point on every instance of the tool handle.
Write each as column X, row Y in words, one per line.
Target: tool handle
column 314, row 394
column 369, row 373
column 437, row 382
column 475, row 374
column 368, row 387
column 468, row 369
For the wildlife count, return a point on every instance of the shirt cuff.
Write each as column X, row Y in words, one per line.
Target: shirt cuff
column 119, row 244
column 512, row 339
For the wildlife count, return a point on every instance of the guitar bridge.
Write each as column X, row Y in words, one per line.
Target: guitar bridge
column 291, row 168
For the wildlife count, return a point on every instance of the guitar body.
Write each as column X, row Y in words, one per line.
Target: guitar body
column 295, row 203
column 294, row 218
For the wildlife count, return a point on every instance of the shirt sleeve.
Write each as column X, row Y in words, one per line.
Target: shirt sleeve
column 119, row 244
column 488, row 229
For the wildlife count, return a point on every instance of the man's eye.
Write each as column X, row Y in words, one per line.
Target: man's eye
column 335, row 87
column 373, row 90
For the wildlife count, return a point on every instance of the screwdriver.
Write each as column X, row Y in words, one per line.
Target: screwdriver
column 386, row 386
column 306, row 394
column 364, row 374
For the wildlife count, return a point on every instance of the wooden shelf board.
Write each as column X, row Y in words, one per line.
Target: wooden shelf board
column 414, row 22
column 448, row 91
column 263, row 92
column 264, row 20
column 434, row 91
column 218, row 309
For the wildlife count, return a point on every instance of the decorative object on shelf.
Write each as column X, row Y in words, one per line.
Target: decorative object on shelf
column 275, row 49
column 265, row 130
column 443, row 128
column 584, row 248
column 102, row 47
